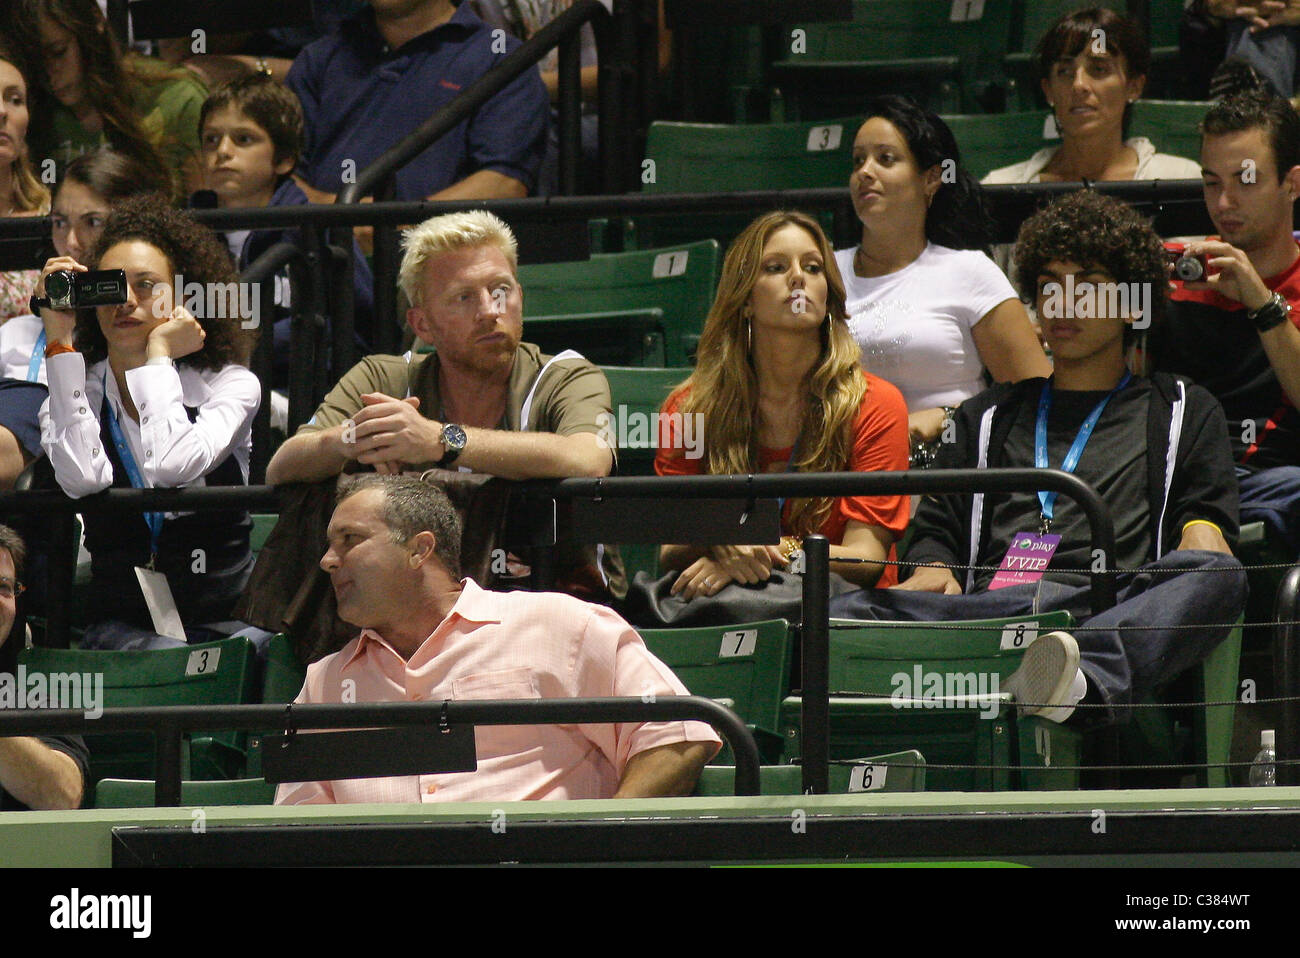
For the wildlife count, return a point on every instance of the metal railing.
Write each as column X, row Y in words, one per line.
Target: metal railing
column 544, row 534
column 170, row 723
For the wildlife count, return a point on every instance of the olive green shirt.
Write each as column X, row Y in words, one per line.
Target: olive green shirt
column 568, row 397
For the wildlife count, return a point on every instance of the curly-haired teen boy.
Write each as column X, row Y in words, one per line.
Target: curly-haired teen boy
column 1155, row 449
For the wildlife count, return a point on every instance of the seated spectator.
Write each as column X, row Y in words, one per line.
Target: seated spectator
column 389, row 68
column 1152, row 448
column 1235, row 334
column 777, row 387
column 92, row 185
column 45, row 772
column 139, row 106
column 930, row 311
column 428, row 635
column 1262, row 37
column 251, row 136
column 1091, row 81
column 153, row 396
column 483, row 400
column 21, row 193
column 230, row 56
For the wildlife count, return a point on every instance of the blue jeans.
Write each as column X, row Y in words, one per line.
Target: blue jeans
column 1272, row 496
column 1272, row 52
column 1126, row 652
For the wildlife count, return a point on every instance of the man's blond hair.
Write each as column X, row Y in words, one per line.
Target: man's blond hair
column 450, row 233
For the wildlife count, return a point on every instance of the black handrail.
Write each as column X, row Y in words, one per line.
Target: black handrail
column 1156, row 193
column 170, row 723
column 917, row 482
column 262, row 272
column 1286, row 666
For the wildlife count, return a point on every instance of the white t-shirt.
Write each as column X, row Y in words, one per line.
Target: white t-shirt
column 17, row 341
column 914, row 326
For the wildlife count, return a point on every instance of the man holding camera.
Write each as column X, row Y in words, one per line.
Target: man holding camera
column 1235, row 333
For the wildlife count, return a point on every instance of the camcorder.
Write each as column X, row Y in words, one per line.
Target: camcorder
column 71, row 289
column 1188, row 268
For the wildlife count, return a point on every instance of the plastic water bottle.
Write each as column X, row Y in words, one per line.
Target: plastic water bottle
column 1263, row 771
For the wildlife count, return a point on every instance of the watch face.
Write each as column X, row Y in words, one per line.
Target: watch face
column 453, row 436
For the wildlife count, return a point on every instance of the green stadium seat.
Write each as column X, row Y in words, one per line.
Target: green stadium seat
column 284, row 674
column 263, row 523
column 866, row 659
column 210, row 673
column 715, row 157
column 638, row 393
column 139, row 793
column 634, row 336
column 1172, row 125
column 747, row 663
column 992, row 141
column 926, row 49
column 622, row 289
column 708, row 157
column 896, row 772
column 1160, row 736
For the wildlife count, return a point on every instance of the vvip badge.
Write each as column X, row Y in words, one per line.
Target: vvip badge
column 1026, row 560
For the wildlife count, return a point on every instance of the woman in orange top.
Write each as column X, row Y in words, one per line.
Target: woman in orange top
column 777, row 386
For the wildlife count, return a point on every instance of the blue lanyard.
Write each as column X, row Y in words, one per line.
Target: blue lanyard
column 1048, row 499
column 153, row 519
column 34, row 364
column 794, row 453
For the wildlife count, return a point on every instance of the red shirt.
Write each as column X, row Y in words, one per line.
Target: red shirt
column 880, row 443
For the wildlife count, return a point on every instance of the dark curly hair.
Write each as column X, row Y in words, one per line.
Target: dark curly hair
column 959, row 217
column 1094, row 230
column 196, row 254
column 1261, row 109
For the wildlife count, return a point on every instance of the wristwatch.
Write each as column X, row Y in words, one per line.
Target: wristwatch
column 453, row 443
column 1273, row 313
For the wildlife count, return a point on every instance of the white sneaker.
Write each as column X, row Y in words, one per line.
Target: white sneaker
column 1049, row 677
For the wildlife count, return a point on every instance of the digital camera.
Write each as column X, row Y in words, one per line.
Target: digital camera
column 1188, row 268
column 70, row 289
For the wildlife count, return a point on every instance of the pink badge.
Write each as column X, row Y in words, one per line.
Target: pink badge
column 1026, row 559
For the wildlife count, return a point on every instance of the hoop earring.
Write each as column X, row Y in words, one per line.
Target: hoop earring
column 749, row 335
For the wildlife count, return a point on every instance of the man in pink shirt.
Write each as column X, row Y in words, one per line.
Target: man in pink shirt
column 428, row 635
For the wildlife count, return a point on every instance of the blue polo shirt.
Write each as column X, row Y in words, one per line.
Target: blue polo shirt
column 359, row 98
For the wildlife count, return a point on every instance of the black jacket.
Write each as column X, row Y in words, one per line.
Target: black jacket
column 1198, row 483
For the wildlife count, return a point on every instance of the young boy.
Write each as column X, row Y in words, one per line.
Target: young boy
column 250, row 132
column 1156, row 450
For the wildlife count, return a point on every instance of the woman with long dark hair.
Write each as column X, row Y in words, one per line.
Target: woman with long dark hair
column 777, row 387
column 144, row 108
column 929, row 309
